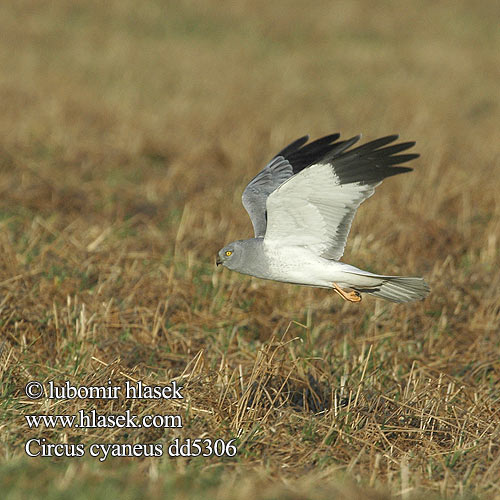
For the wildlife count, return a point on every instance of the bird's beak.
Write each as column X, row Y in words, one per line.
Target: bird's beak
column 218, row 261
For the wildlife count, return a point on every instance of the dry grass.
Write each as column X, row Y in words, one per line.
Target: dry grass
column 126, row 136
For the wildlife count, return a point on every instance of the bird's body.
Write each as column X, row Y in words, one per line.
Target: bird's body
column 302, row 205
column 294, row 264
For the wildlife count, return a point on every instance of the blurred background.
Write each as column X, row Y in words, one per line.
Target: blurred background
column 137, row 128
column 128, row 131
column 207, row 92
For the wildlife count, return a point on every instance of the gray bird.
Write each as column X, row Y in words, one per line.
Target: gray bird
column 302, row 204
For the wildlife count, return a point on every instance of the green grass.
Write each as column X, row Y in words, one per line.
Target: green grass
column 126, row 137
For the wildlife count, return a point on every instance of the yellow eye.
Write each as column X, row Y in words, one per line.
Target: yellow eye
column 228, row 253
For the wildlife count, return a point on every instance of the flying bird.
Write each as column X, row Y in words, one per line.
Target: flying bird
column 302, row 204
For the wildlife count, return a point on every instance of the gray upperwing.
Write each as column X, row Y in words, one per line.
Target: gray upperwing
column 299, row 155
column 254, row 197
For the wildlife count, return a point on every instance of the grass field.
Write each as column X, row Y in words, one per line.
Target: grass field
column 127, row 133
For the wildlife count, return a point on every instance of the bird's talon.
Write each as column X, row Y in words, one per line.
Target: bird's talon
column 353, row 296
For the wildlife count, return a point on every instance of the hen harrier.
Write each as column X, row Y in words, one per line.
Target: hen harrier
column 302, row 205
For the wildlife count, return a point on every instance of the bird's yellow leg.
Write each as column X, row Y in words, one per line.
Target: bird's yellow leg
column 350, row 296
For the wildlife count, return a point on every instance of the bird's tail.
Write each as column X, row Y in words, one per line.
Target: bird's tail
column 398, row 289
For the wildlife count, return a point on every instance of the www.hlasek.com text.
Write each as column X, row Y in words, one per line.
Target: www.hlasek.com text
column 91, row 419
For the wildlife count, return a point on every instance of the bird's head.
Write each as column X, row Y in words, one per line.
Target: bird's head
column 230, row 256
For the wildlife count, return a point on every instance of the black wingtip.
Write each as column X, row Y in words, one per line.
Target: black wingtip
column 302, row 154
column 293, row 146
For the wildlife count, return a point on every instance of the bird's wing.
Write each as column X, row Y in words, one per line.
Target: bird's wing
column 277, row 171
column 289, row 161
column 315, row 207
